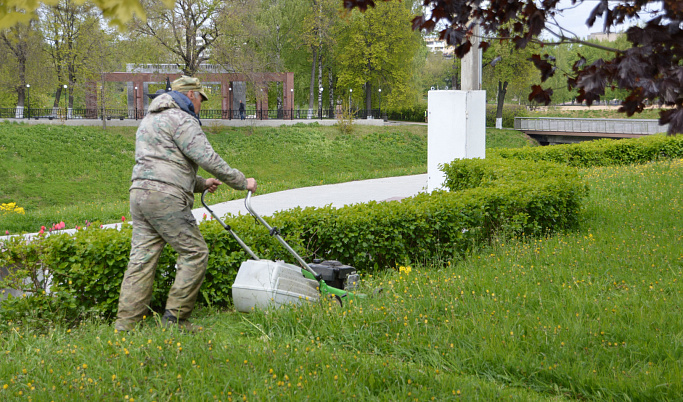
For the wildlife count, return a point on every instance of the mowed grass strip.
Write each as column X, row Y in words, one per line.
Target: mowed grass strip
column 79, row 174
column 82, row 174
column 593, row 314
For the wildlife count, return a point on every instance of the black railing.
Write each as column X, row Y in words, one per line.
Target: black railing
column 137, row 114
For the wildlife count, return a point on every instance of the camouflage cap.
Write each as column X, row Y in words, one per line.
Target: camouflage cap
column 185, row 83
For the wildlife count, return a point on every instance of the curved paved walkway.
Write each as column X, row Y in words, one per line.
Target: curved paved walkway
column 337, row 195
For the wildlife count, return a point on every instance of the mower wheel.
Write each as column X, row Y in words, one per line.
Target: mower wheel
column 336, row 299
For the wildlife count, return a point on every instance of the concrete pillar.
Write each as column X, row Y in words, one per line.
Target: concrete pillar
column 456, row 130
column 471, row 64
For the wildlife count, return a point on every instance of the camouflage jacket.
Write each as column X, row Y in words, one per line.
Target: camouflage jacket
column 169, row 147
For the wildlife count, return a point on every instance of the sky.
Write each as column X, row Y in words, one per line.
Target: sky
column 574, row 18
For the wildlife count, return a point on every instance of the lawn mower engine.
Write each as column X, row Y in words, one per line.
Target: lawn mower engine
column 336, row 274
column 267, row 283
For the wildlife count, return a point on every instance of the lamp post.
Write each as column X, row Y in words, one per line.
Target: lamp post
column 230, row 102
column 291, row 104
column 28, row 100
column 350, row 91
column 320, row 102
column 380, row 102
column 136, row 103
column 66, row 104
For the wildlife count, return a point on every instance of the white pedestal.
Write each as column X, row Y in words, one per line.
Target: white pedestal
column 457, row 130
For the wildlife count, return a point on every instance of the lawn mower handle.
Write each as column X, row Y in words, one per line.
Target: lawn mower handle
column 228, row 228
column 276, row 234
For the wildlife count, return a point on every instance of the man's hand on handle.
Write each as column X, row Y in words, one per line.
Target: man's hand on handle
column 212, row 184
column 251, row 184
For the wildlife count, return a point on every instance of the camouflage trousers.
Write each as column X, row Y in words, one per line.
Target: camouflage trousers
column 160, row 218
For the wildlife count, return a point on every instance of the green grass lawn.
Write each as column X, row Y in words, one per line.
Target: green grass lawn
column 79, row 174
column 594, row 113
column 592, row 314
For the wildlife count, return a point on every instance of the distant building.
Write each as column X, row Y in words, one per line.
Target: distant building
column 604, row 36
column 436, row 45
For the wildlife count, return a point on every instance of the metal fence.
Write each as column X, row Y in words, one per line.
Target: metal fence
column 136, row 114
column 603, row 126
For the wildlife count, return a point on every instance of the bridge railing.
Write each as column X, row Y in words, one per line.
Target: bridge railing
column 577, row 125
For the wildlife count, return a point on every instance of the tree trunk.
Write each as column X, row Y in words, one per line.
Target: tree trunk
column 72, row 79
column 368, row 99
column 21, row 89
column 104, row 118
column 311, row 94
column 21, row 95
column 454, row 80
column 502, row 89
column 58, row 96
column 331, row 92
column 320, row 81
column 19, row 48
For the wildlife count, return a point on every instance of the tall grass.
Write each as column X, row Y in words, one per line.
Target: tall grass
column 593, row 314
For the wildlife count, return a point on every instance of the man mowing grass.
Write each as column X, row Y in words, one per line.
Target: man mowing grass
column 169, row 147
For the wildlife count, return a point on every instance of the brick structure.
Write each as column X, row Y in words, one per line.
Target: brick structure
column 140, row 80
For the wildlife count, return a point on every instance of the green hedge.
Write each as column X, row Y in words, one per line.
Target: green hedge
column 524, row 191
column 89, row 265
column 604, row 152
column 414, row 113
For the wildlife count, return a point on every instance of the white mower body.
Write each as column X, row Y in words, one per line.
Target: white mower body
column 263, row 283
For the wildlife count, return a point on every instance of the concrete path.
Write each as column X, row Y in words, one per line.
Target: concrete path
column 337, row 195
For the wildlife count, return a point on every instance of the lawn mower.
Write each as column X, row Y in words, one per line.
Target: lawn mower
column 266, row 283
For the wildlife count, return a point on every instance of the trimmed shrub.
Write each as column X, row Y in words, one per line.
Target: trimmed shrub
column 604, row 152
column 414, row 113
column 89, row 265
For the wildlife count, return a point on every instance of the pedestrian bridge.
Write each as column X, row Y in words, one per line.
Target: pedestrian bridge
column 561, row 130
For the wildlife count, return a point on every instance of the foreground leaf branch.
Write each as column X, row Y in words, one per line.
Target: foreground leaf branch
column 650, row 70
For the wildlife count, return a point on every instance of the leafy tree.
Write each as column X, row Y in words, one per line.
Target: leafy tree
column 240, row 46
column 318, row 38
column 376, row 49
column 135, row 48
column 21, row 44
column 651, row 69
column 72, row 32
column 187, row 30
column 437, row 71
column 118, row 12
column 502, row 63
